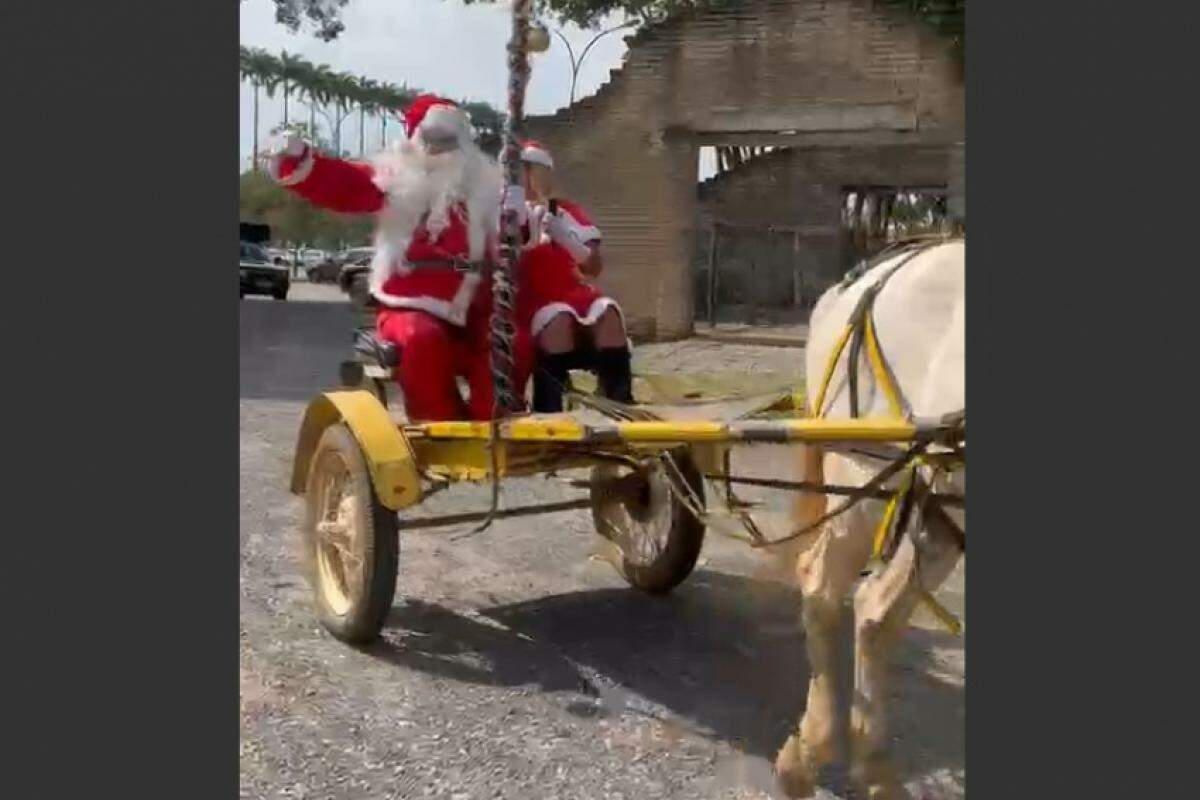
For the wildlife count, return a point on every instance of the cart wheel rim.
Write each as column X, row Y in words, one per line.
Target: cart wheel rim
column 639, row 521
column 339, row 536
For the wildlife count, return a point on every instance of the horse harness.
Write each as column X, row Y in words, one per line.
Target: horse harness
column 915, row 497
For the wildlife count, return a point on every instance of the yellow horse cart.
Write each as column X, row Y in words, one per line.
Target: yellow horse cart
column 358, row 469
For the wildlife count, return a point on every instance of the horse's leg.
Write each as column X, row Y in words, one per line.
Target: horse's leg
column 882, row 607
column 826, row 573
column 809, row 506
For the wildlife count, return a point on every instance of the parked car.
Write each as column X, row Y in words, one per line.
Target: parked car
column 259, row 276
column 324, row 271
column 279, row 256
column 310, row 257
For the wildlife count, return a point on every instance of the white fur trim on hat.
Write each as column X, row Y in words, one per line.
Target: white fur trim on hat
column 536, row 155
column 445, row 118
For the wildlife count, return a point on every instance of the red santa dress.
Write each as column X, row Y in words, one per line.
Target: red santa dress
column 551, row 283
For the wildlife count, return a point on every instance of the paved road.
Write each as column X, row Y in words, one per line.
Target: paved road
column 516, row 664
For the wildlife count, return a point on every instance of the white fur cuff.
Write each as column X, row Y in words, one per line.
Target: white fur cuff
column 297, row 175
column 535, row 155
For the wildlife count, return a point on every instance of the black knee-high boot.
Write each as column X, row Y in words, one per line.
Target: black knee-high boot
column 615, row 374
column 551, row 376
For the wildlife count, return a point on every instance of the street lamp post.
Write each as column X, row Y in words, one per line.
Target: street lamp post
column 577, row 63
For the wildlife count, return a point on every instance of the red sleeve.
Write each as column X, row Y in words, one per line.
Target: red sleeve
column 344, row 186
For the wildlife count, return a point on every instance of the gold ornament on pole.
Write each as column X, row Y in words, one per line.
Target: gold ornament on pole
column 537, row 40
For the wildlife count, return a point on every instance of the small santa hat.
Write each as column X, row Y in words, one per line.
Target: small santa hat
column 432, row 113
column 536, row 153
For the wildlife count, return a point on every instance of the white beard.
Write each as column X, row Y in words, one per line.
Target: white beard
column 418, row 184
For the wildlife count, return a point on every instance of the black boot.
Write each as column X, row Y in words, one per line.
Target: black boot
column 551, row 376
column 614, row 374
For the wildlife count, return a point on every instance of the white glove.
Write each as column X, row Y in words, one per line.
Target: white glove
column 514, row 203
column 282, row 147
column 560, row 232
column 288, row 146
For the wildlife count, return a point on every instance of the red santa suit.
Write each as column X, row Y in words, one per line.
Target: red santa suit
column 560, row 238
column 551, row 281
column 437, row 199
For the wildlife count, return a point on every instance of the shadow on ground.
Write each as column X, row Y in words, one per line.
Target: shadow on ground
column 723, row 652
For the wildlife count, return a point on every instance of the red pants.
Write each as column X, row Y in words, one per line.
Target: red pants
column 435, row 352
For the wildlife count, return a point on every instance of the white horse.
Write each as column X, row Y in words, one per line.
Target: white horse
column 919, row 318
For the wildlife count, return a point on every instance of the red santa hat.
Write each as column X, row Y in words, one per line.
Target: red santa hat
column 536, row 153
column 432, row 113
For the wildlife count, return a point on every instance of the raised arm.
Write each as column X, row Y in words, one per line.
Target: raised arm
column 332, row 183
column 594, row 264
column 574, row 231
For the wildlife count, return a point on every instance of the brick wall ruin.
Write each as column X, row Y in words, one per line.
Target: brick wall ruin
column 858, row 92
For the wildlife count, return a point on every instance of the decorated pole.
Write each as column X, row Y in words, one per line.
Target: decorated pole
column 503, row 279
column 504, row 395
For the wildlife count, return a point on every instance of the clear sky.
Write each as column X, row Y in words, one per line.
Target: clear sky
column 438, row 45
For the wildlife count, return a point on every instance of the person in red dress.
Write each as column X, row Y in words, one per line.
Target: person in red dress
column 437, row 199
column 575, row 324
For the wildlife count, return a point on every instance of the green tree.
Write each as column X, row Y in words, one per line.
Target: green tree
column 391, row 100
column 325, row 90
column 312, row 88
column 367, row 97
column 296, row 220
column 325, row 15
column 291, row 70
column 306, row 132
column 344, row 91
column 488, row 124
column 255, row 66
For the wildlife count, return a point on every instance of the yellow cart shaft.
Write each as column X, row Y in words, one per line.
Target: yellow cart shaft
column 566, row 430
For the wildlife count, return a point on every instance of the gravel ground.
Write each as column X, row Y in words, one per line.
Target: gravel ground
column 517, row 664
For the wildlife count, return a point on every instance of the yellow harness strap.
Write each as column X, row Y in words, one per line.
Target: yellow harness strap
column 889, row 514
column 947, row 619
column 818, row 409
column 891, row 391
column 883, row 375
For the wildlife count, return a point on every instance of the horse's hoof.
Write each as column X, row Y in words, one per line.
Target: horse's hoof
column 792, row 772
column 879, row 782
column 888, row 791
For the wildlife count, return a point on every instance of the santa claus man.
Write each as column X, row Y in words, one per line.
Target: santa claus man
column 437, row 198
column 575, row 324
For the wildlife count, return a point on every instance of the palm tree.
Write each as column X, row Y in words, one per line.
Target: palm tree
column 328, row 91
column 393, row 99
column 271, row 74
column 292, row 69
column 383, row 98
column 335, row 95
column 366, row 95
column 253, row 66
column 313, row 86
column 345, row 89
column 488, row 124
